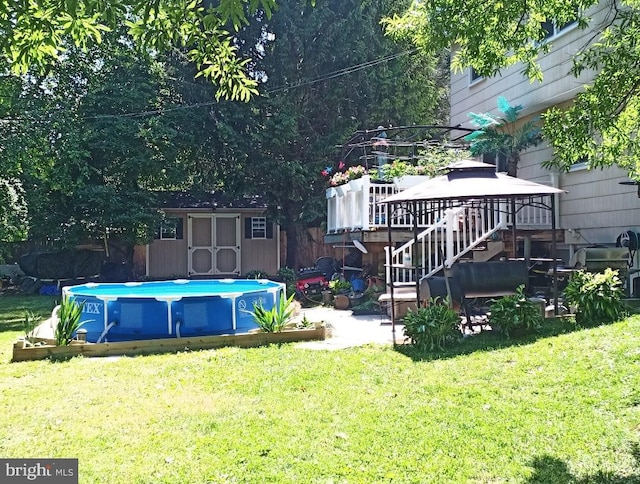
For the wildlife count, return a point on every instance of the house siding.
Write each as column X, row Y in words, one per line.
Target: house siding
column 596, row 203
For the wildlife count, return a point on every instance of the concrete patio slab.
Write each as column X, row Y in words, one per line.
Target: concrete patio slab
column 348, row 330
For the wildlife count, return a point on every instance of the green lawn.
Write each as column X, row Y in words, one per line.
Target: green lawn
column 560, row 408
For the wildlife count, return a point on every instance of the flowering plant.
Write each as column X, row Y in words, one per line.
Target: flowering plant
column 339, row 178
column 342, row 177
column 355, row 172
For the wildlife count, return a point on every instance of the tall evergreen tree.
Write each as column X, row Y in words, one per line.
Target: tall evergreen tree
column 330, row 70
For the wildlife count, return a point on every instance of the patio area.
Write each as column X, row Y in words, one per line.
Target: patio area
column 347, row 330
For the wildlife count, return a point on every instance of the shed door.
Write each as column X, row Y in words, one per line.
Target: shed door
column 214, row 244
column 227, row 244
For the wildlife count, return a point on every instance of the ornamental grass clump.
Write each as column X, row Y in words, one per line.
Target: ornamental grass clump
column 29, row 324
column 69, row 315
column 596, row 297
column 275, row 319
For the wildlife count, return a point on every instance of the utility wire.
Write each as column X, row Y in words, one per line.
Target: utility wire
column 345, row 71
column 332, row 75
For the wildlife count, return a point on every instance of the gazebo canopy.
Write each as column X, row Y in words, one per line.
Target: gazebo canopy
column 468, row 179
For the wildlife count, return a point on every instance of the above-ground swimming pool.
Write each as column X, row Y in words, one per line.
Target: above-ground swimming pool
column 171, row 309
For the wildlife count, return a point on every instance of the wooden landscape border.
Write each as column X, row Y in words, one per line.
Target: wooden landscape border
column 168, row 345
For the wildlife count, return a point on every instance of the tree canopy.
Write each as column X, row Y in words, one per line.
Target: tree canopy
column 330, row 70
column 602, row 125
column 87, row 144
column 85, row 147
column 37, row 33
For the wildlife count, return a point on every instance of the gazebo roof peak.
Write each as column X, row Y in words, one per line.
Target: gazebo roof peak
column 468, row 165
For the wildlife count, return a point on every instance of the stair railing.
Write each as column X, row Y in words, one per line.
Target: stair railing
column 454, row 235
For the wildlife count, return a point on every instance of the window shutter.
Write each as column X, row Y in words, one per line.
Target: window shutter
column 269, row 229
column 247, row 228
column 179, row 228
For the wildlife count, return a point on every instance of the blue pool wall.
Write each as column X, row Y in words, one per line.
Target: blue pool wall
column 170, row 309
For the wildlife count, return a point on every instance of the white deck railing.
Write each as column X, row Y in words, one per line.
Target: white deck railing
column 356, row 206
column 445, row 233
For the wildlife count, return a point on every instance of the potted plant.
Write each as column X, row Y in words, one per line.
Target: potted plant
column 339, row 286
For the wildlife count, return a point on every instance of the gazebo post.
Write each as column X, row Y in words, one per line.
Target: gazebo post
column 390, row 211
column 416, row 268
column 514, row 228
column 554, row 262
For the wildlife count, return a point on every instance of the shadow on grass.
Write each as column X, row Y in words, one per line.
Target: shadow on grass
column 548, row 469
column 488, row 340
column 14, row 307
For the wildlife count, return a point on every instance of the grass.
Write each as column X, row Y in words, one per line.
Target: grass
column 560, row 408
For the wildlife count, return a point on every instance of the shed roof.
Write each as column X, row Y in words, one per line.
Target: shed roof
column 208, row 200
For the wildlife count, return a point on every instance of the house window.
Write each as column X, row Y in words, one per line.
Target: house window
column 170, row 229
column 258, row 228
column 581, row 164
column 499, row 160
column 552, row 28
column 474, row 76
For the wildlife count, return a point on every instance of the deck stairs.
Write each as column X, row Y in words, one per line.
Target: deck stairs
column 466, row 232
column 489, row 251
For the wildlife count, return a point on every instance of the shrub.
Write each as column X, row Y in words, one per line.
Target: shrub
column 432, row 327
column 515, row 313
column 257, row 274
column 275, row 319
column 596, row 297
column 287, row 275
column 339, row 286
column 69, row 315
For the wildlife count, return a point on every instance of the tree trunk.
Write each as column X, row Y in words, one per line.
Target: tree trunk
column 292, row 246
column 512, row 164
column 118, row 267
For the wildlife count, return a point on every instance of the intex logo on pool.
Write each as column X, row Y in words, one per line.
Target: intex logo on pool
column 52, row 471
column 91, row 308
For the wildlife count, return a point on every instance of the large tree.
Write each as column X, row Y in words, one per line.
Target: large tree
column 37, row 32
column 602, row 126
column 103, row 128
column 330, row 70
column 92, row 141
